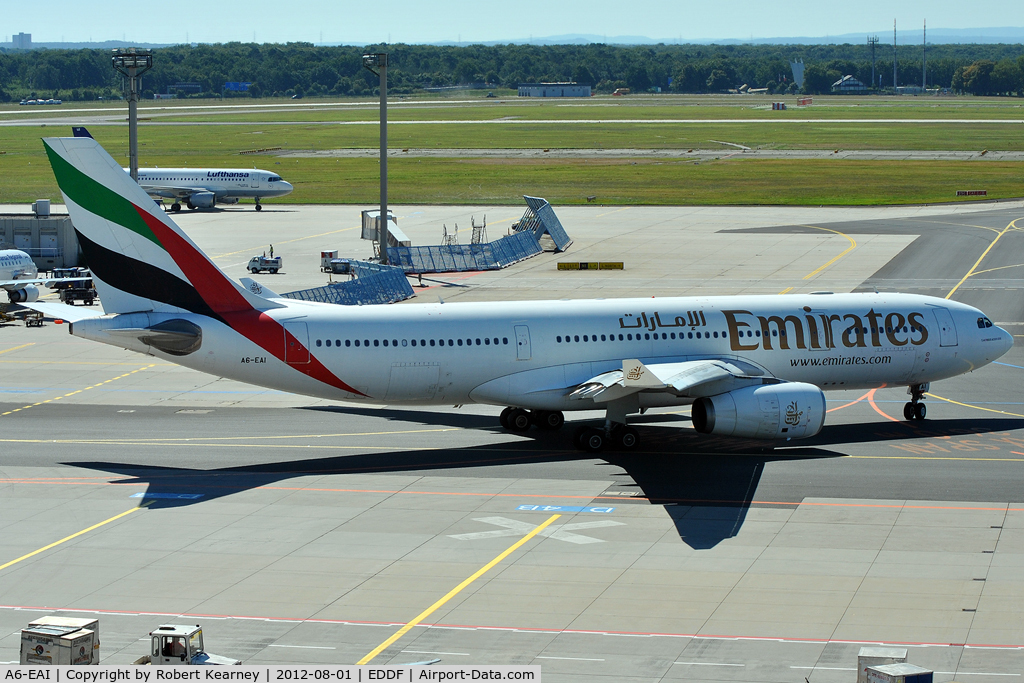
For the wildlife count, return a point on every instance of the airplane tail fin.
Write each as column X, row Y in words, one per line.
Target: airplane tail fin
column 80, row 132
column 140, row 260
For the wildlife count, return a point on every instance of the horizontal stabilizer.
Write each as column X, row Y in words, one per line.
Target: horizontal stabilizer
column 63, row 311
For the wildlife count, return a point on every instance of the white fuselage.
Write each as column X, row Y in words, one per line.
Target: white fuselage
column 16, row 265
column 230, row 183
column 528, row 354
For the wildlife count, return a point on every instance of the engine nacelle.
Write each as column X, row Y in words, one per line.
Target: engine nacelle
column 202, row 200
column 26, row 294
column 790, row 410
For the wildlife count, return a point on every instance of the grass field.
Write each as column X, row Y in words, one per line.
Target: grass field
column 205, row 137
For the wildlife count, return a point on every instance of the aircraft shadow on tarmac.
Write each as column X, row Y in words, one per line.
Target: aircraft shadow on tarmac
column 705, row 484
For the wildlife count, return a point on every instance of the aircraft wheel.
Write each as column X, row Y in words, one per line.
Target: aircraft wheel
column 920, row 410
column 503, row 418
column 548, row 419
column 259, row 207
column 175, row 206
column 908, row 411
column 593, row 440
column 627, row 438
column 518, row 420
column 191, row 206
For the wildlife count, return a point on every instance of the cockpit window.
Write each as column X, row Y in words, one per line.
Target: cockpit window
column 274, row 178
column 984, row 322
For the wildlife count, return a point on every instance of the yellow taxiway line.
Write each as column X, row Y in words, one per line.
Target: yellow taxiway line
column 455, row 591
column 1011, row 226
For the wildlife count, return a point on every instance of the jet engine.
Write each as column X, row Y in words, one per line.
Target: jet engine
column 26, row 294
column 202, row 200
column 790, row 410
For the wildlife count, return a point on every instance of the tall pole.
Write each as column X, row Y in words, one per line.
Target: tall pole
column 872, row 41
column 894, row 55
column 924, row 57
column 384, row 158
column 380, row 61
column 132, row 63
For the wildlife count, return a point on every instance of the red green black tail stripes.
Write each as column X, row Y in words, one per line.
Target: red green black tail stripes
column 135, row 252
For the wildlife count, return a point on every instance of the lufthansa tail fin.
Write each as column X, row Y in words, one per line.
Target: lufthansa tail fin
column 140, row 260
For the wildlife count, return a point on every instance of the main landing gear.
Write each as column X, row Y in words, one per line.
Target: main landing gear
column 519, row 420
column 915, row 410
column 176, row 206
column 586, row 438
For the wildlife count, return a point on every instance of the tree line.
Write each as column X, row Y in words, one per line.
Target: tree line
column 305, row 69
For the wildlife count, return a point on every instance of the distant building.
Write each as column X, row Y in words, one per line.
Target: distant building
column 553, row 90
column 22, row 41
column 849, row 85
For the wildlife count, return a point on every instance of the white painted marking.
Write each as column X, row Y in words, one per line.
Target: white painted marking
column 572, row 659
column 971, row 673
column 823, row 668
column 306, row 647
column 559, row 532
column 709, row 664
column 428, row 652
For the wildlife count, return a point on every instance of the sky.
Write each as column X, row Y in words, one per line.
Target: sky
column 429, row 21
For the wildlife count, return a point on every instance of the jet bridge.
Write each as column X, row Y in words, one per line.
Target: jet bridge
column 373, row 284
column 524, row 242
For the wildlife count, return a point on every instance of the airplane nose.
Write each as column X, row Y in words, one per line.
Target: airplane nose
column 1007, row 340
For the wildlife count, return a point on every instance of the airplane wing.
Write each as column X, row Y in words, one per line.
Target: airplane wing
column 172, row 191
column 689, row 378
column 44, row 281
column 63, row 311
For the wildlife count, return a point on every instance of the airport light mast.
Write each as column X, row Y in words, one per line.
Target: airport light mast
column 132, row 62
column 379, row 60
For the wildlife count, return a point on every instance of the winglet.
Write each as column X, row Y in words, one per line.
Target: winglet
column 636, row 374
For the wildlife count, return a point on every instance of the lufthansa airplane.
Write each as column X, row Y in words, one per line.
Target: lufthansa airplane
column 201, row 188
column 751, row 366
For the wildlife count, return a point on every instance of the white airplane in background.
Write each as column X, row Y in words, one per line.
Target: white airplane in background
column 19, row 276
column 201, row 188
column 751, row 366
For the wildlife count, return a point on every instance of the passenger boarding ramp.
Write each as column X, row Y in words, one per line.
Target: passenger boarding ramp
column 523, row 243
column 373, row 284
column 541, row 219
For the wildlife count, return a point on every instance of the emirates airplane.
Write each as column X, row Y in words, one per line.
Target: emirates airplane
column 751, row 366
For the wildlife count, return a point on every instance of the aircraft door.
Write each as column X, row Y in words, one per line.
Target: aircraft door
column 254, row 180
column 947, row 330
column 296, row 344
column 523, row 349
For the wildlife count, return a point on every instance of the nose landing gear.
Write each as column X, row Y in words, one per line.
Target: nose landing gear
column 914, row 409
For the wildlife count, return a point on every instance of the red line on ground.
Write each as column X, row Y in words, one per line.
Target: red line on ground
column 525, row 629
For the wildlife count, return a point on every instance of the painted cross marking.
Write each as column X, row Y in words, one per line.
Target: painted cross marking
column 559, row 532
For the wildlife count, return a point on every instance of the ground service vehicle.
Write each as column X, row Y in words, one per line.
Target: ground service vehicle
column 181, row 645
column 257, row 264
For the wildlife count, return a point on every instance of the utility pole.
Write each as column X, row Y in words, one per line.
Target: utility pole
column 380, row 61
column 924, row 57
column 873, row 41
column 894, row 55
column 132, row 62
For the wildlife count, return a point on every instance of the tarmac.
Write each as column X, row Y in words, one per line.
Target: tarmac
column 297, row 530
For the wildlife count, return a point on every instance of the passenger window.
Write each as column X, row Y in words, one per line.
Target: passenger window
column 376, row 342
column 478, row 342
column 348, row 342
column 337, row 342
column 405, row 342
column 451, row 343
column 495, row 341
column 431, row 342
column 558, row 339
column 318, row 342
column 504, row 340
column 385, row 342
column 423, row 342
column 460, row 342
column 620, row 337
column 577, row 337
column 414, row 342
column 584, row 337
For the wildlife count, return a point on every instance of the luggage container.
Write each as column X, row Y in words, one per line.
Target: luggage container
column 89, row 624
column 58, row 645
column 875, row 656
column 899, row 673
